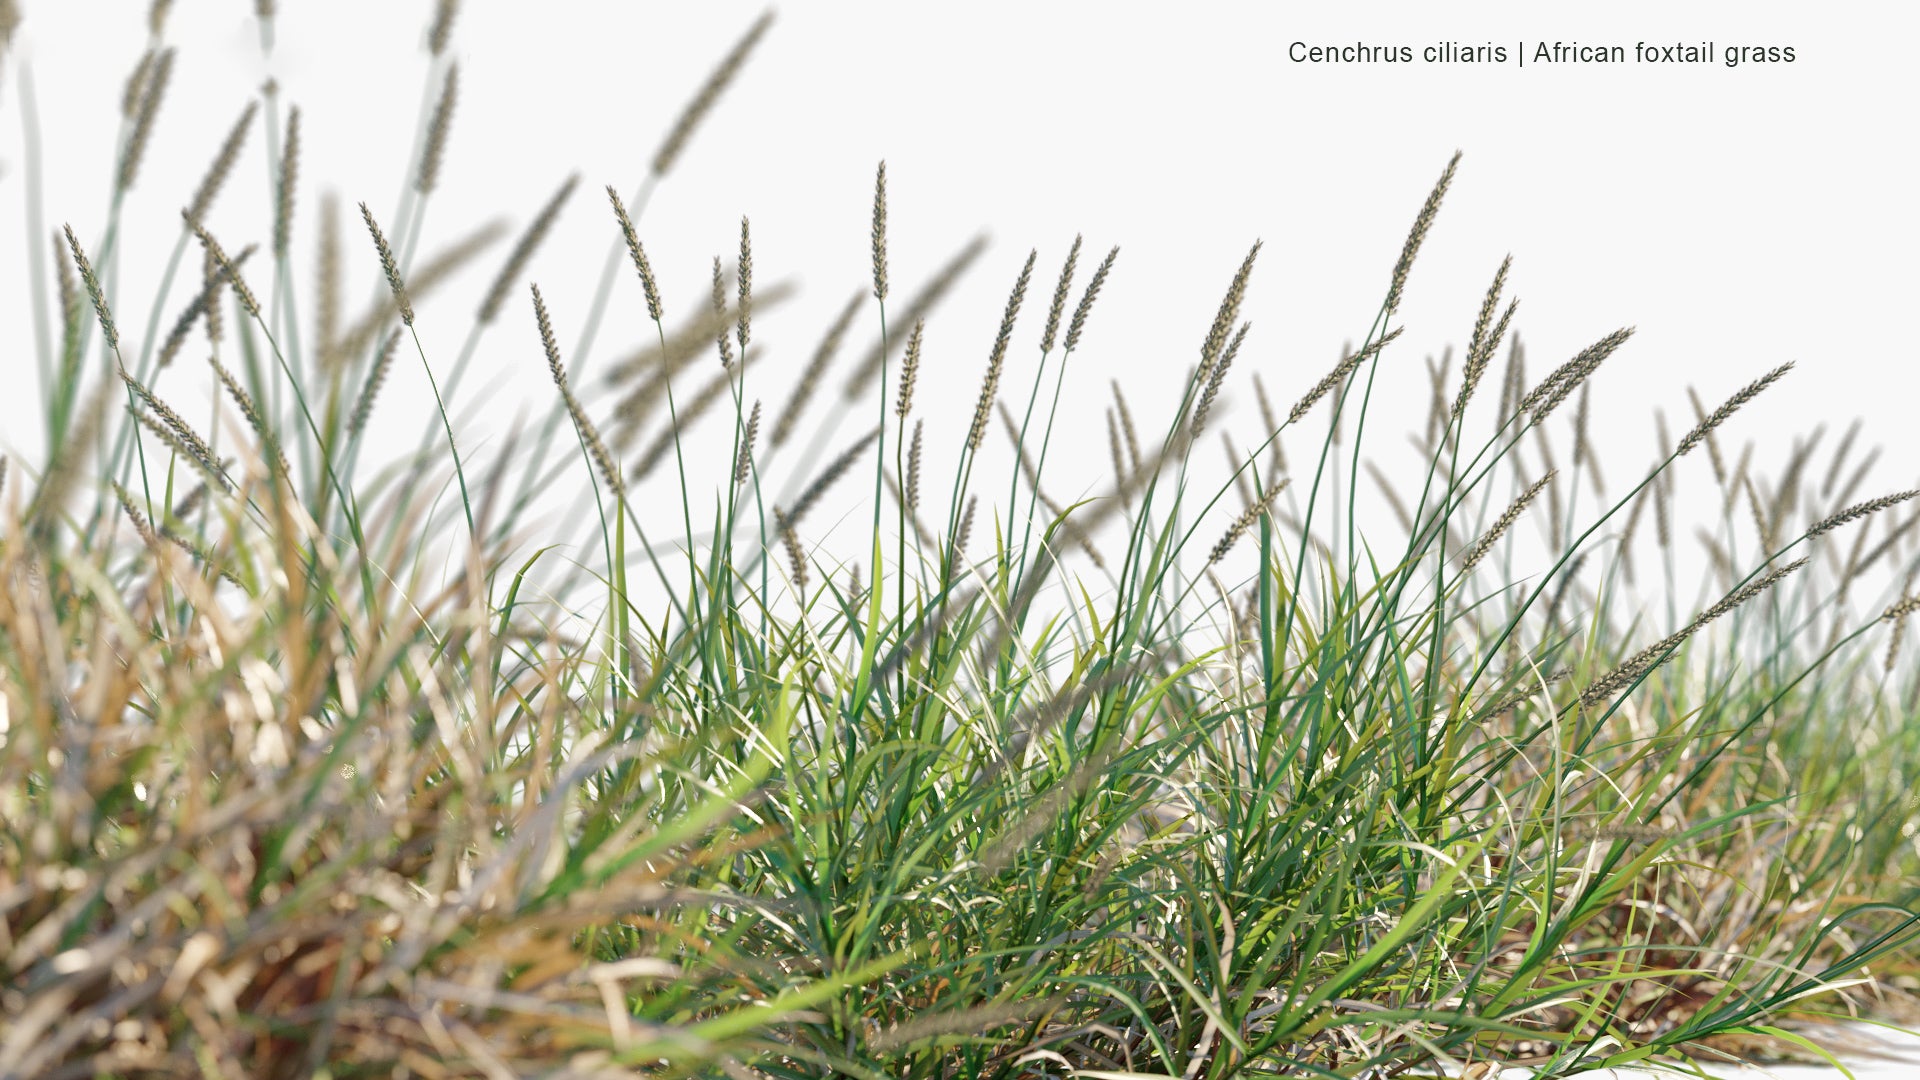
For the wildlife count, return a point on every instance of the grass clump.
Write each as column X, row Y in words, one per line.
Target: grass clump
column 304, row 772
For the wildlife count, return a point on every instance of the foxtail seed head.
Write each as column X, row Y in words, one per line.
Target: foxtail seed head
column 720, row 311
column 796, row 558
column 370, row 391
column 1860, row 510
column 217, row 173
column 1079, row 321
column 1741, row 397
column 1219, row 376
column 523, row 250
column 442, row 122
column 443, row 15
column 596, row 447
column 744, row 273
column 389, row 266
column 1575, row 371
column 1481, row 346
column 913, row 468
column 743, row 462
column 93, row 290
column 152, row 92
column 1060, row 297
column 1126, row 426
column 909, row 371
column 227, row 266
column 136, row 84
column 1419, row 233
column 880, row 233
column 283, row 191
column 709, row 92
column 990, row 386
column 1503, row 523
column 816, row 367
column 1224, row 318
column 966, row 527
column 1339, row 373
column 923, row 302
column 1244, row 522
column 828, row 476
column 638, row 253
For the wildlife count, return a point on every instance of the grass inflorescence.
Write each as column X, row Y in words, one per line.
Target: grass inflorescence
column 1159, row 773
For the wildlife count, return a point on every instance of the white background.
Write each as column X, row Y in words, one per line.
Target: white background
column 1740, row 218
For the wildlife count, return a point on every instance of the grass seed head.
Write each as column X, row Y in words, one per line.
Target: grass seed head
column 1713, row 444
column 250, row 411
column 136, row 84
column 389, row 266
column 189, row 440
column 222, row 166
column 909, row 371
column 913, row 468
column 637, row 253
column 211, row 277
column 796, row 558
column 1223, row 319
column 523, row 250
column 329, row 275
column 69, row 289
column 228, row 267
column 996, row 361
column 1081, row 310
column 1653, row 655
column 720, row 311
column 603, row 458
column 1745, row 394
column 1418, row 233
column 830, row 475
column 92, row 283
column 436, row 146
column 1901, row 608
column 1482, row 345
column 1338, row 375
column 1840, row 458
column 966, row 527
column 1503, row 523
column 370, row 391
column 206, row 302
column 880, row 233
column 1574, row 372
column 1244, row 522
column 1860, row 510
column 152, row 92
column 743, row 462
column 1060, row 297
column 442, row 29
column 917, row 308
column 743, row 273
column 1893, row 642
column 716, row 390
column 1219, row 376
column 1126, row 426
column 809, row 382
column 283, row 191
column 1512, row 379
column 709, row 92
column 1270, row 424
